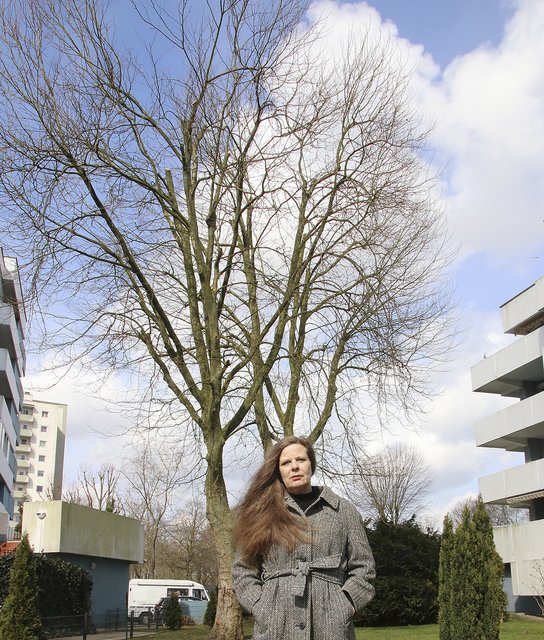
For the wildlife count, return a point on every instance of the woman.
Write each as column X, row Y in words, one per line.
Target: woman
column 303, row 565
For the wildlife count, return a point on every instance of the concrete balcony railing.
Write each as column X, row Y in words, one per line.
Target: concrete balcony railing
column 511, row 427
column 18, row 494
column 524, row 311
column 511, row 485
column 505, row 371
column 10, row 335
column 26, row 418
column 23, row 464
column 23, row 448
column 10, row 385
column 24, row 432
column 22, row 479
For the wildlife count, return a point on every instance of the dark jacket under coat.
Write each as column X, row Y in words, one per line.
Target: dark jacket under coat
column 308, row 594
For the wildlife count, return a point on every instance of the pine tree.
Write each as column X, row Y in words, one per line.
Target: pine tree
column 471, row 597
column 172, row 613
column 444, row 581
column 491, row 595
column 19, row 616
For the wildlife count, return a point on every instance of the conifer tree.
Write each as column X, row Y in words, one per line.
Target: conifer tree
column 172, row 613
column 471, row 597
column 444, row 581
column 19, row 616
column 492, row 599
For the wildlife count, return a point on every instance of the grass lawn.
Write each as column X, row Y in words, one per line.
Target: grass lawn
column 511, row 630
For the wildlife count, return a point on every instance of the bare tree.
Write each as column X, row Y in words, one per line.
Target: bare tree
column 245, row 224
column 154, row 474
column 393, row 485
column 499, row 514
column 538, row 583
column 194, row 555
column 97, row 489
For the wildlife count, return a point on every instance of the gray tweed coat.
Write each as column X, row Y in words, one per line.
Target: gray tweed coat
column 305, row 595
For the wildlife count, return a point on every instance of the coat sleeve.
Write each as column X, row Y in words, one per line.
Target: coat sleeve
column 360, row 561
column 248, row 585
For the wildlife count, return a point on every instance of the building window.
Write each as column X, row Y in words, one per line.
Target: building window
column 43, row 428
column 40, row 473
column 42, row 443
column 24, row 440
column 41, row 458
column 39, row 488
column 45, row 414
column 21, row 473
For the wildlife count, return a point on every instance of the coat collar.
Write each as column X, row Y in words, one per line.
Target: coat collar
column 326, row 494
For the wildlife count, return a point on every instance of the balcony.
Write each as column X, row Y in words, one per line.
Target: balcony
column 521, row 546
column 25, row 433
column 524, row 313
column 10, row 384
column 510, row 428
column 23, row 464
column 22, row 479
column 19, row 493
column 514, row 486
column 506, row 371
column 23, row 448
column 11, row 335
column 25, row 418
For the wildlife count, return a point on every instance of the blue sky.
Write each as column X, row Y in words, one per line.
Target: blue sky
column 447, row 28
column 479, row 77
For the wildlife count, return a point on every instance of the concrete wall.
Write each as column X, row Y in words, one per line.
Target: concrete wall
column 72, row 528
column 519, row 545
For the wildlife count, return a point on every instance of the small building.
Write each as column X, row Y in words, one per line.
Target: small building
column 103, row 543
column 517, row 371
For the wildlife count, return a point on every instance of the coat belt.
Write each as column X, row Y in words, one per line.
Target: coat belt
column 320, row 568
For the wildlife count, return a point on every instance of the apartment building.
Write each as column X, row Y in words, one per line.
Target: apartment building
column 40, row 454
column 12, row 368
column 517, row 371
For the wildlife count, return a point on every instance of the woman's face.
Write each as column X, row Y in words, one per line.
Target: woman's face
column 296, row 469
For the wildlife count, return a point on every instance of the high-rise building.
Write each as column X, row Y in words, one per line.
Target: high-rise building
column 40, row 454
column 12, row 368
column 517, row 371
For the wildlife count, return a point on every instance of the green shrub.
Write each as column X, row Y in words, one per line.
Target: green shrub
column 471, row 594
column 209, row 616
column 19, row 616
column 407, row 575
column 172, row 613
column 63, row 588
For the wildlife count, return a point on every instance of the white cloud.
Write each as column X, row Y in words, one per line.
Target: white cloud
column 490, row 109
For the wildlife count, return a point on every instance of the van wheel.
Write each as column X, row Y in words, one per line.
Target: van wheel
column 144, row 618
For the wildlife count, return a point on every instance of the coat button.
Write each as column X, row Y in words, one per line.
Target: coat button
column 301, row 625
column 302, row 559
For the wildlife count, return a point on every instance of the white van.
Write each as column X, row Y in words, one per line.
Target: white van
column 144, row 594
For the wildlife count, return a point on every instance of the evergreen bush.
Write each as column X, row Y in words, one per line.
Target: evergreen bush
column 406, row 585
column 209, row 616
column 64, row 588
column 19, row 616
column 444, row 581
column 172, row 613
column 472, row 599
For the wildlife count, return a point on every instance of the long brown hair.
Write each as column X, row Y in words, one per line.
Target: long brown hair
column 262, row 517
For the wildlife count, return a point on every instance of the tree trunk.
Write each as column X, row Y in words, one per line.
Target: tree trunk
column 228, row 619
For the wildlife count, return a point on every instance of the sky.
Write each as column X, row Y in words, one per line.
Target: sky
column 479, row 78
